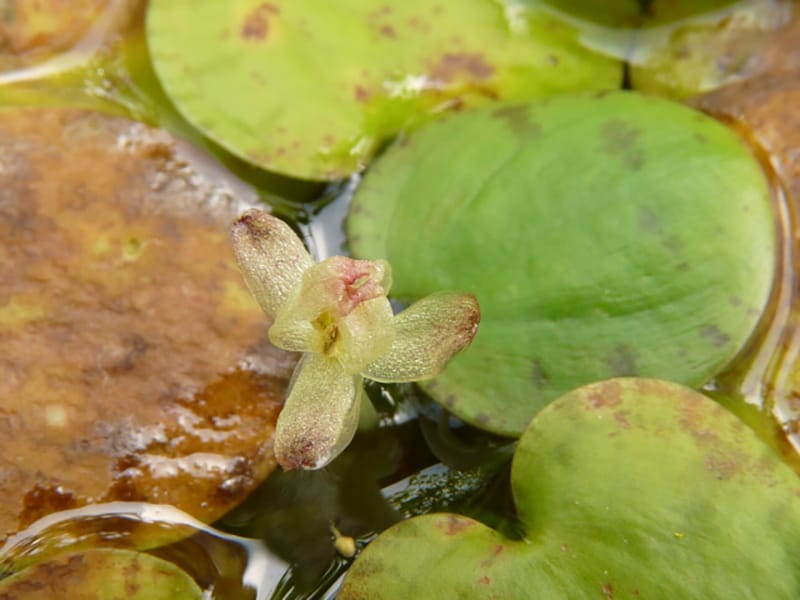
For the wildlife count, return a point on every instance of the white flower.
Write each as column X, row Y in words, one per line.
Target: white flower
column 337, row 313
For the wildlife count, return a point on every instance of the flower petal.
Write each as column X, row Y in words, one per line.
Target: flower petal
column 366, row 334
column 427, row 334
column 316, row 314
column 271, row 256
column 320, row 416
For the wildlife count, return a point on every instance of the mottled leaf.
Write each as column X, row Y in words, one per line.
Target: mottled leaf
column 603, row 235
column 627, row 488
column 313, row 89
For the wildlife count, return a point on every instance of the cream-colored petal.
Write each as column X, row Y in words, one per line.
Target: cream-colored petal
column 320, row 416
column 427, row 334
column 311, row 319
column 365, row 334
column 271, row 256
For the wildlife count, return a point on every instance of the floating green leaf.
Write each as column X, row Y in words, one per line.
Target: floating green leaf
column 627, row 488
column 312, row 88
column 102, row 574
column 606, row 235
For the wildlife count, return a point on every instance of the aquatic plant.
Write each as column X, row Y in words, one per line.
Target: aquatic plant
column 337, row 313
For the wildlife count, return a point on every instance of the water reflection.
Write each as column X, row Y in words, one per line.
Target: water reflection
column 225, row 567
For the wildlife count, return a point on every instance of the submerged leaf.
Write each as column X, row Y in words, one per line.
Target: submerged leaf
column 603, row 235
column 102, row 575
column 133, row 362
column 626, row 488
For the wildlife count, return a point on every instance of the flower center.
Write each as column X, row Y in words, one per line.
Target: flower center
column 326, row 325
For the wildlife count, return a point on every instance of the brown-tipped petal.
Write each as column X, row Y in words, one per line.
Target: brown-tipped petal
column 427, row 334
column 320, row 416
column 271, row 256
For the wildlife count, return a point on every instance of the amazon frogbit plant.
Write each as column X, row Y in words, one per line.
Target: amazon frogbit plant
column 337, row 314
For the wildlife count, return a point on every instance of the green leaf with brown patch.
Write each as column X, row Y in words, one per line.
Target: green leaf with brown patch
column 603, row 235
column 312, row 89
column 102, row 574
column 626, row 488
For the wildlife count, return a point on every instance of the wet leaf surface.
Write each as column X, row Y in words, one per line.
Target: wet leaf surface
column 134, row 364
column 607, row 235
column 32, row 31
column 274, row 83
column 763, row 111
column 101, row 575
column 749, row 39
column 625, row 488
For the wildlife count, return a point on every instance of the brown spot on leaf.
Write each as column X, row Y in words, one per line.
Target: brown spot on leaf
column 484, row 580
column 454, row 524
column 673, row 244
column 538, row 375
column 256, row 24
column 622, row 361
column 622, row 139
column 608, row 590
column 604, row 394
column 717, row 337
column 482, row 419
column 621, row 417
column 419, row 25
column 388, row 32
column 360, row 94
column 647, row 220
column 453, row 65
column 518, row 119
column 723, row 466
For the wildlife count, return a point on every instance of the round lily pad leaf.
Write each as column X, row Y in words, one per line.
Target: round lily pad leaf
column 33, row 31
column 628, row 488
column 603, row 235
column 312, row 89
column 134, row 364
column 102, row 574
column 746, row 40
